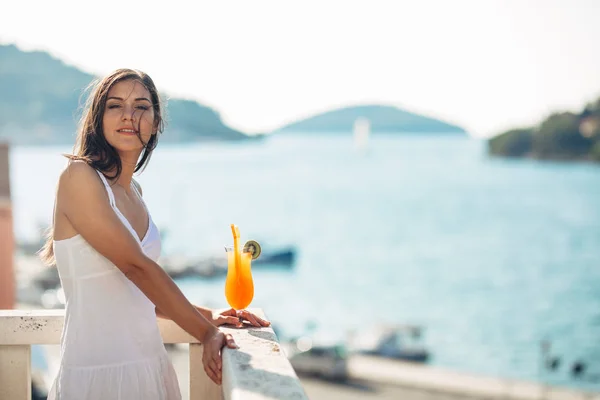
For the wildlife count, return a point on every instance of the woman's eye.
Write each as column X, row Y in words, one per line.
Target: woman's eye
column 139, row 107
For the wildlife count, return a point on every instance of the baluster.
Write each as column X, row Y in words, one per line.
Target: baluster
column 15, row 372
column 201, row 386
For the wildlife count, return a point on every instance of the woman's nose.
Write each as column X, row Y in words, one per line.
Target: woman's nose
column 128, row 113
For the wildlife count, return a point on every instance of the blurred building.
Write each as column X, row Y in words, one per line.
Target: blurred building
column 7, row 242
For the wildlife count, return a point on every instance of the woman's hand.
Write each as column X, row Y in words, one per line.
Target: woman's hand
column 237, row 318
column 212, row 360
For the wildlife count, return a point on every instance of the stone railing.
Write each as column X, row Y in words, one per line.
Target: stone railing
column 257, row 370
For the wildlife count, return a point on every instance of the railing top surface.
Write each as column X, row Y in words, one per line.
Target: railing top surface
column 23, row 327
column 32, row 313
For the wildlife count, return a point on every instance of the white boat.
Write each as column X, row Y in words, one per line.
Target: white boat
column 361, row 131
column 403, row 342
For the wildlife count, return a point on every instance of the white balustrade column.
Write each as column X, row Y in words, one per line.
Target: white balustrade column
column 201, row 386
column 15, row 372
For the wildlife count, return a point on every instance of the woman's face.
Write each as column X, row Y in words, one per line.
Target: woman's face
column 128, row 115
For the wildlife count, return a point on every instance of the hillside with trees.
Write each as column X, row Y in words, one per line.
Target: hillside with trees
column 41, row 100
column 561, row 136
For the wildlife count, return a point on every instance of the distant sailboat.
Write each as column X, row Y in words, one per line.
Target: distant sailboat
column 362, row 130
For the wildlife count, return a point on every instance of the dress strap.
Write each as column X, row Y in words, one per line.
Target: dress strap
column 111, row 196
column 137, row 192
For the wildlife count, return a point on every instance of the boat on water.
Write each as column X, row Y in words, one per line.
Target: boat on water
column 361, row 131
column 401, row 342
column 327, row 360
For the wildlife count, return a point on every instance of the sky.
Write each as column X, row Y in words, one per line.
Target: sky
column 485, row 65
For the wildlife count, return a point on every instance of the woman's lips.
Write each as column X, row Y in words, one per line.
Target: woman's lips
column 128, row 132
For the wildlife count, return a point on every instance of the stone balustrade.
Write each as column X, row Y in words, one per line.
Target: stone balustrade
column 257, row 370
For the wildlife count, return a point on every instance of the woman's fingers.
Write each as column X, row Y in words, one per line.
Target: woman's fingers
column 210, row 367
column 248, row 317
column 254, row 319
column 212, row 359
column 263, row 322
column 211, row 374
column 213, row 363
column 229, row 320
column 235, row 318
column 231, row 312
column 230, row 342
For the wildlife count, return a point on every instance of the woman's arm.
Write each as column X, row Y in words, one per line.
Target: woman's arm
column 160, row 314
column 82, row 198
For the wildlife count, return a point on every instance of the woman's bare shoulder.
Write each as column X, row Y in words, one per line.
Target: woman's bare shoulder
column 78, row 177
column 78, row 173
column 77, row 167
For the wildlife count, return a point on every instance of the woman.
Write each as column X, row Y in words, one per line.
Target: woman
column 105, row 246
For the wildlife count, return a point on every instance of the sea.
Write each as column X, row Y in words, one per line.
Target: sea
column 492, row 257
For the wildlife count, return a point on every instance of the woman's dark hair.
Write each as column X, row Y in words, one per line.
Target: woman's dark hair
column 91, row 145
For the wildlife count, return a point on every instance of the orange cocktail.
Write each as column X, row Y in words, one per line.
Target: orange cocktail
column 239, row 287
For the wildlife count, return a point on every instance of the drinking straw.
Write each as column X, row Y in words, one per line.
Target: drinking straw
column 237, row 257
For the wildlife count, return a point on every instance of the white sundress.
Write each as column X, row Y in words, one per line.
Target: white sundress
column 111, row 347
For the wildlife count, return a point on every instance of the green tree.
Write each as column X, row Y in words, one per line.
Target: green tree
column 513, row 143
column 559, row 137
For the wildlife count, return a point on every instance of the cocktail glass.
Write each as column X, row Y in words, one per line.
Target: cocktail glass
column 239, row 286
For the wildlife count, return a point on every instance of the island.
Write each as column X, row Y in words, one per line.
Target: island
column 565, row 136
column 381, row 118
